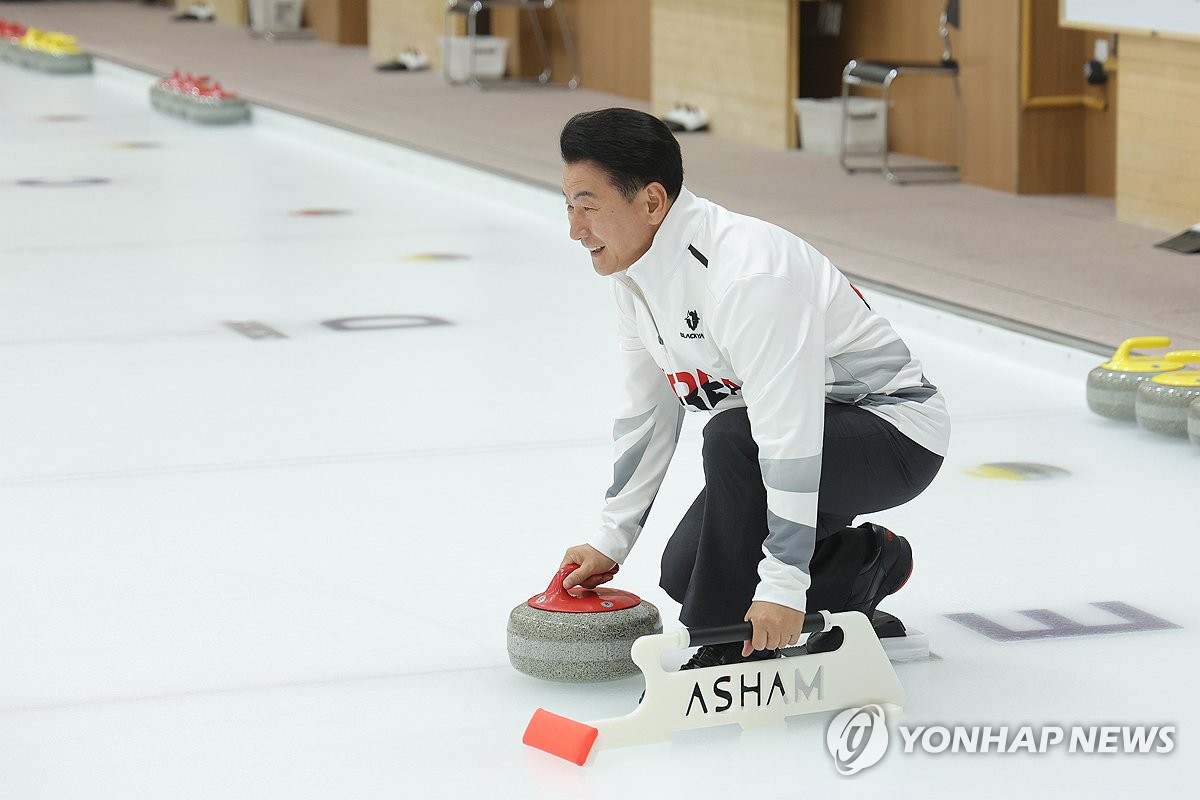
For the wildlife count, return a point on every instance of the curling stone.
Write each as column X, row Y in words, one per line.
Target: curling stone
column 1162, row 402
column 10, row 39
column 51, row 51
column 198, row 99
column 1112, row 386
column 578, row 637
column 1194, row 422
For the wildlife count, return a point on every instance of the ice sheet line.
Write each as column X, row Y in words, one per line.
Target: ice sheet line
column 298, row 461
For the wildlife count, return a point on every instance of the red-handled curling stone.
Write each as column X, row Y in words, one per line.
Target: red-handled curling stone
column 579, row 636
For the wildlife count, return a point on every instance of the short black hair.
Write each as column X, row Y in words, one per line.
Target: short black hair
column 634, row 148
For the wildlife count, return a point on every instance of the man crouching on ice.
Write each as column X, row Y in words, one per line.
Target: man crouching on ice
column 819, row 411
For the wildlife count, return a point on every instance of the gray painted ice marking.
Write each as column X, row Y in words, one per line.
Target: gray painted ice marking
column 254, row 330
column 383, row 322
column 1058, row 626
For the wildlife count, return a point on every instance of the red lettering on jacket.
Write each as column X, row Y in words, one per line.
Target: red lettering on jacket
column 701, row 390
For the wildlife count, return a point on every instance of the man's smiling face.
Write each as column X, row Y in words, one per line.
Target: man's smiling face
column 617, row 232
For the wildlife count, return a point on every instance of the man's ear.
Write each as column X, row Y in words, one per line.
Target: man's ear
column 657, row 202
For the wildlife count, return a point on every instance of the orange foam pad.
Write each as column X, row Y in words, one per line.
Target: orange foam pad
column 560, row 736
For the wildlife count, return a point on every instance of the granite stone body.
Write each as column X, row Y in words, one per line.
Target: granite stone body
column 1113, row 393
column 1193, row 425
column 1163, row 408
column 578, row 647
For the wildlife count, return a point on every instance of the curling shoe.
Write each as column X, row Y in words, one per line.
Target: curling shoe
column 720, row 655
column 888, row 566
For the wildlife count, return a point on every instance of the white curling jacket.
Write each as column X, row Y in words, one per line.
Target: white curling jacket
column 725, row 311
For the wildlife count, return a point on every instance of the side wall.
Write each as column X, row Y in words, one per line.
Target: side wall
column 1158, row 132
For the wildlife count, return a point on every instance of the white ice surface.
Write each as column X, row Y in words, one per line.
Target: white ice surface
column 281, row 568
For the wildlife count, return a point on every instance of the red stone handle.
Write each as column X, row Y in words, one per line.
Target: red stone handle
column 555, row 593
column 556, row 598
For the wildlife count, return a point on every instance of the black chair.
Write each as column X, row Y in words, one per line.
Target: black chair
column 881, row 74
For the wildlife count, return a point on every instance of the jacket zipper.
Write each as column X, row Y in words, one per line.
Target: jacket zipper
column 636, row 291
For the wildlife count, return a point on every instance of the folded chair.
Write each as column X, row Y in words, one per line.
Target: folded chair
column 881, row 75
column 471, row 9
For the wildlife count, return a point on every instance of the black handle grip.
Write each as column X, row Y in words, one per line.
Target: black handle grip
column 744, row 631
column 721, row 634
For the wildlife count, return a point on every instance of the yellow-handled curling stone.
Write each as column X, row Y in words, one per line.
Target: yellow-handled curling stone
column 1194, row 422
column 1163, row 402
column 50, row 51
column 1112, row 386
column 579, row 636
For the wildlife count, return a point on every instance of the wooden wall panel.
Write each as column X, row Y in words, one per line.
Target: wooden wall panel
column 736, row 60
column 1100, row 134
column 612, row 41
column 396, row 24
column 988, row 50
column 338, row 21
column 613, row 37
column 1050, row 153
column 1064, row 150
column 230, row 12
column 1158, row 132
column 227, row 12
column 522, row 51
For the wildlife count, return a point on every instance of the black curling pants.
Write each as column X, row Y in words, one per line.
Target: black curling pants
column 710, row 564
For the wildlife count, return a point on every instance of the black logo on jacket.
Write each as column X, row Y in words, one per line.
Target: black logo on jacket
column 693, row 321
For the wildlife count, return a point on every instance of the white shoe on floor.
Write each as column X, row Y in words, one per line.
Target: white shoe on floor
column 203, row 12
column 409, row 59
column 686, row 118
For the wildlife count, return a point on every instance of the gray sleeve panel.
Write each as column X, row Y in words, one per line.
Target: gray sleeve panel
column 867, row 371
column 680, row 413
column 790, row 542
column 628, row 463
column 630, row 424
column 642, row 521
column 792, row 474
column 913, row 394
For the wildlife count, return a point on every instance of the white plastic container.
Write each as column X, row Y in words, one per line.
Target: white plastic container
column 276, row 16
column 491, row 56
column 820, row 121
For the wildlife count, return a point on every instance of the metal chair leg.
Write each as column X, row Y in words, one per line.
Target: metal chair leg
column 845, row 120
column 569, row 43
column 540, row 39
column 472, row 29
column 887, row 108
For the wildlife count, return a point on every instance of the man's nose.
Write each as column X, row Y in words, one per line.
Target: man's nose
column 578, row 229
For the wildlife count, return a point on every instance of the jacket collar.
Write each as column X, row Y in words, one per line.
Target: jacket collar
column 678, row 230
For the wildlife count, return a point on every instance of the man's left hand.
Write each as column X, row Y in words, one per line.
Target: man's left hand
column 775, row 626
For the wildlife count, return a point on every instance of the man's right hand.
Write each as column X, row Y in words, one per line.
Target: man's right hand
column 594, row 569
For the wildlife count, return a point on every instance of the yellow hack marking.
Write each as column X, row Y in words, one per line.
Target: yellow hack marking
column 436, row 257
column 1017, row 471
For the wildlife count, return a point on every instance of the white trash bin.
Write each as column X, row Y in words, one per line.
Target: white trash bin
column 274, row 17
column 820, row 120
column 491, row 57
